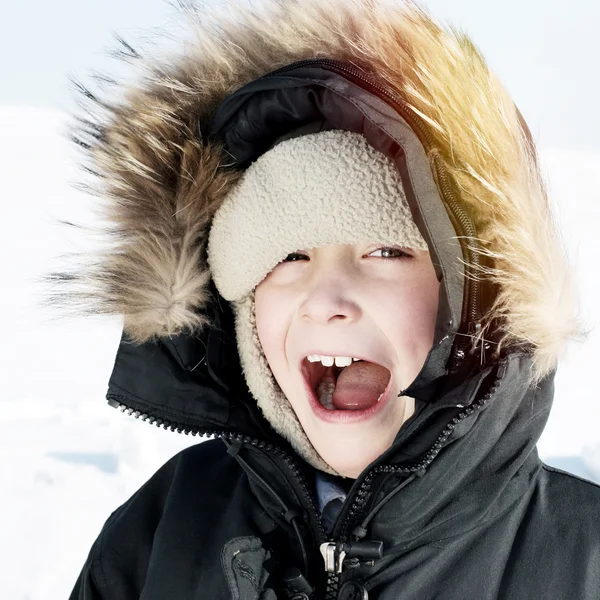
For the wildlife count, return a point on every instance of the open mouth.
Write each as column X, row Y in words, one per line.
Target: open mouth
column 359, row 386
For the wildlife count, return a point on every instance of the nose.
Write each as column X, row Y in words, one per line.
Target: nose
column 330, row 298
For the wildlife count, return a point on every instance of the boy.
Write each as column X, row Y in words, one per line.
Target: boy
column 309, row 185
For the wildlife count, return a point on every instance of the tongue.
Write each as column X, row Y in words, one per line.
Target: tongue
column 359, row 386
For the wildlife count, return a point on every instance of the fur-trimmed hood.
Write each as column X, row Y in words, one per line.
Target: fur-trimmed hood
column 162, row 179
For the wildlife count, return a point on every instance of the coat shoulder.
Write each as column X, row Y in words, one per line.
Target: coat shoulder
column 566, row 508
column 581, row 496
column 186, row 481
column 196, row 496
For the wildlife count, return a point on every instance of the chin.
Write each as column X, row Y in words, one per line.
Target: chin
column 351, row 472
column 350, row 463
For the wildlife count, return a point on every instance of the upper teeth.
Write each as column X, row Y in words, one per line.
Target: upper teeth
column 340, row 361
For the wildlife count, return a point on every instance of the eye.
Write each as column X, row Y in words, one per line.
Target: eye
column 294, row 256
column 391, row 252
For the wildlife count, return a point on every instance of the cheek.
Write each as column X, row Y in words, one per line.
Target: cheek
column 424, row 305
column 412, row 310
column 428, row 294
column 271, row 319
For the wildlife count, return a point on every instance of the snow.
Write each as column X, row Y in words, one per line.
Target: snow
column 67, row 459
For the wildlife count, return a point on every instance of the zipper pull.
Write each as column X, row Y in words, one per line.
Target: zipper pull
column 334, row 553
column 333, row 556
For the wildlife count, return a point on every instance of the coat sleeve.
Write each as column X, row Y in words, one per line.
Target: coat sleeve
column 117, row 563
column 87, row 586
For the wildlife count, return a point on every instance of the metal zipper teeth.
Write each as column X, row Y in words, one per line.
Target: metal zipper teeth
column 362, row 493
column 331, row 590
column 473, row 310
column 229, row 435
column 332, row 578
column 360, row 500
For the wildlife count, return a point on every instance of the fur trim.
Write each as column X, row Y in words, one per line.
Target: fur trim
column 164, row 184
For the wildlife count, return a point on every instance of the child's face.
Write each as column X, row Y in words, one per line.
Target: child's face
column 346, row 300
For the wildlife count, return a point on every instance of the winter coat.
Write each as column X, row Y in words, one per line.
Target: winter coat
column 460, row 506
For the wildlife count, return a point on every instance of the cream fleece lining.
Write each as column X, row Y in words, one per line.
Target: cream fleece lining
column 265, row 389
column 324, row 188
column 330, row 187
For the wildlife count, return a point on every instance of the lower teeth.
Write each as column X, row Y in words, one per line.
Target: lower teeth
column 325, row 393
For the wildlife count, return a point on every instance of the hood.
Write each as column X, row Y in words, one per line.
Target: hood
column 162, row 156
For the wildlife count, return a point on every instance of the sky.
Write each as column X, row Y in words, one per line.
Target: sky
column 545, row 51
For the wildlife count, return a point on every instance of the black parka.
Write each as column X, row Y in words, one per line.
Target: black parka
column 460, row 506
column 480, row 517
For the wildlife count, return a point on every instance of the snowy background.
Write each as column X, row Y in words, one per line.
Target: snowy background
column 66, row 459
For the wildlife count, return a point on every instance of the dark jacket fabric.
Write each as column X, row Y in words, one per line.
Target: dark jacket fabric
column 460, row 506
column 485, row 519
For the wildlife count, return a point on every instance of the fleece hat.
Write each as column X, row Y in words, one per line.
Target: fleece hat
column 329, row 187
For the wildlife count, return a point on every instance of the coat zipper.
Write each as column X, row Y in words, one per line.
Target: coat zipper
column 420, row 468
column 268, row 447
column 472, row 309
column 337, row 550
